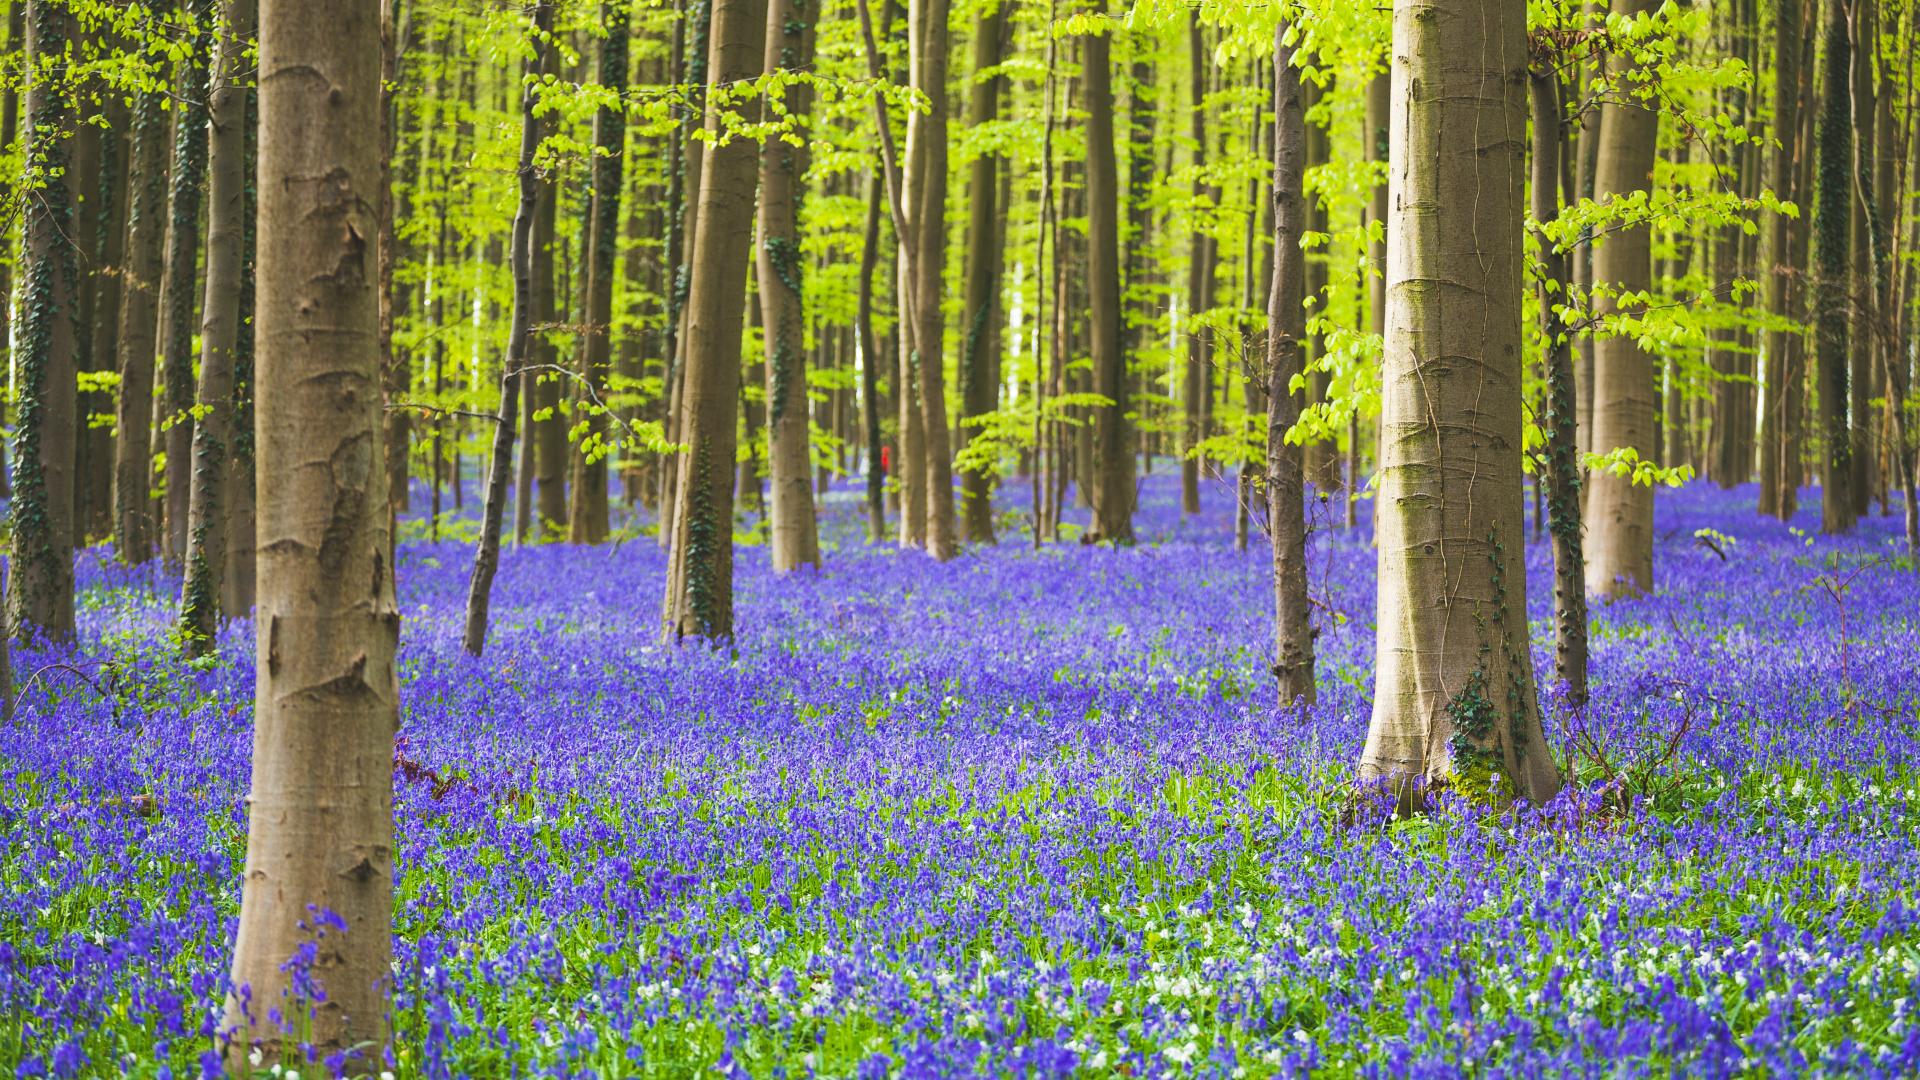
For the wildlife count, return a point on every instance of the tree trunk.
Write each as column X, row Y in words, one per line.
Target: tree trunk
column 1619, row 511
column 1562, row 479
column 40, row 584
column 979, row 389
column 1832, row 302
column 1286, row 338
column 1112, row 458
column 177, row 291
column 1322, row 456
column 396, row 367
column 1729, row 426
column 587, row 516
column 106, row 211
column 139, row 312
column 200, row 593
column 783, row 171
column 1866, row 235
column 1199, row 281
column 549, row 426
column 1380, row 129
column 699, row 597
column 870, row 366
column 1452, row 600
column 318, row 884
column 1782, row 286
column 486, row 557
column 241, row 581
column 925, row 181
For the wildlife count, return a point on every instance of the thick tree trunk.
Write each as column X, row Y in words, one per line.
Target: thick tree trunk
column 587, row 516
column 699, row 597
column 783, row 171
column 200, row 593
column 1832, row 302
column 40, row 581
column 926, row 200
column 178, row 281
column 1286, row 339
column 1562, row 477
column 979, row 361
column 319, row 870
column 139, row 313
column 1112, row 457
column 1619, row 511
column 486, row 556
column 1454, row 699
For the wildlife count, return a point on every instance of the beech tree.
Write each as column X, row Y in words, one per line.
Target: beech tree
column 318, row 884
column 699, row 592
column 1286, row 344
column 1454, row 698
column 226, row 277
column 587, row 514
column 783, row 171
column 40, row 578
column 1112, row 496
column 186, row 187
column 1619, row 510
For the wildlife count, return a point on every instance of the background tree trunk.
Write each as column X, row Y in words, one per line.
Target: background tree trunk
column 1454, row 696
column 1832, row 302
column 1112, row 458
column 1619, row 512
column 1782, row 286
column 486, row 556
column 178, row 280
column 783, row 172
column 979, row 359
column 139, row 312
column 699, row 598
column 1286, row 338
column 870, row 361
column 1562, row 454
column 587, row 517
column 227, row 117
column 926, row 187
column 320, row 813
column 1193, row 388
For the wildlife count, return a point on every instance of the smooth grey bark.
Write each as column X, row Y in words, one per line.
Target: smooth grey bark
column 1286, row 340
column 1454, row 699
column 326, row 701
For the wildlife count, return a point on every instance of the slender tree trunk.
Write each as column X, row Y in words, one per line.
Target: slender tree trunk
column 699, row 597
column 979, row 388
column 1199, row 281
column 1619, row 511
column 870, row 366
column 1863, row 252
column 177, row 291
column 1562, row 479
column 1454, row 699
column 40, row 582
column 550, row 427
column 320, row 814
column 1286, row 338
column 1729, row 425
column 783, row 170
column 1782, row 283
column 139, row 312
column 241, row 581
column 219, row 330
column 106, row 211
column 587, row 516
column 1112, row 458
column 1832, row 302
column 486, row 557
column 1322, row 466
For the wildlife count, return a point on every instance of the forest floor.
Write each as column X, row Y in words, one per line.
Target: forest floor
column 1025, row 813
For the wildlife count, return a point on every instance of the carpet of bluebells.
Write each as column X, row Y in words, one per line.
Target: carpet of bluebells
column 1027, row 813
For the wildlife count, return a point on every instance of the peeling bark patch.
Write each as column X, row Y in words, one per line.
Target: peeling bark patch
column 350, row 467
